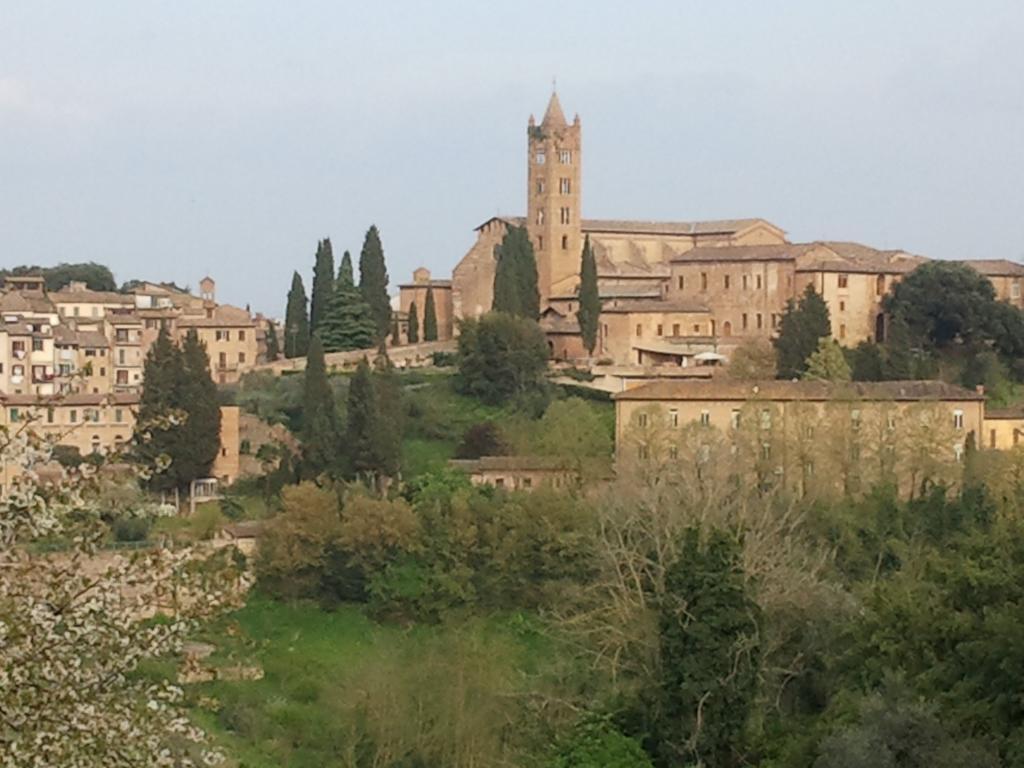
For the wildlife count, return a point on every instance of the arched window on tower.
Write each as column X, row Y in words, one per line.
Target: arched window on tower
column 565, row 242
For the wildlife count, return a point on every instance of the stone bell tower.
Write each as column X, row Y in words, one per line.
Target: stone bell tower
column 553, row 200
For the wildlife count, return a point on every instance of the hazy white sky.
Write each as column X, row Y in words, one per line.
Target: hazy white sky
column 171, row 139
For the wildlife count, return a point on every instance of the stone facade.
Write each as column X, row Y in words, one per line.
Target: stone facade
column 416, row 291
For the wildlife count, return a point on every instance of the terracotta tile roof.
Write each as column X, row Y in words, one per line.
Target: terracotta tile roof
column 511, row 463
column 719, row 227
column 555, row 322
column 783, row 252
column 224, row 315
column 996, row 267
column 85, row 296
column 77, row 398
column 859, row 258
column 13, row 301
column 1013, row 412
column 721, row 389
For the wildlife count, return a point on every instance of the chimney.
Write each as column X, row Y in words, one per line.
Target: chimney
column 980, row 389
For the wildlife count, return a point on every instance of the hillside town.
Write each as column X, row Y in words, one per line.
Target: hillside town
column 613, row 492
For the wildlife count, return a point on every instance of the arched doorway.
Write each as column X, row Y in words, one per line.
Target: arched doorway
column 727, row 328
column 880, row 327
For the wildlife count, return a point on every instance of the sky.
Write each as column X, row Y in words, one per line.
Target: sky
column 173, row 139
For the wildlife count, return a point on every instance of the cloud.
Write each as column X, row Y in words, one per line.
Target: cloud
column 20, row 100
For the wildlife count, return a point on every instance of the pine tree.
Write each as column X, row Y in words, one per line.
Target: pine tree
column 348, row 323
column 273, row 348
column 320, row 432
column 201, row 431
column 515, row 276
column 158, row 431
column 803, row 324
column 429, row 317
column 590, row 300
column 373, row 282
column 413, row 331
column 362, row 433
column 296, row 321
column 323, row 284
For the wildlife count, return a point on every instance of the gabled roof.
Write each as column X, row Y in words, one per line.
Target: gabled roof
column 996, row 267
column 710, row 253
column 713, row 227
column 777, row 390
column 224, row 315
column 85, row 296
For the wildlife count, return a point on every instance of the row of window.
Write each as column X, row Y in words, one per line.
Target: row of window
column 644, row 452
column 642, row 420
column 564, row 186
column 226, row 335
column 89, row 415
column 564, row 156
column 540, row 242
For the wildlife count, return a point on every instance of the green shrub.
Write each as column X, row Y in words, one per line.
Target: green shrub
column 128, row 529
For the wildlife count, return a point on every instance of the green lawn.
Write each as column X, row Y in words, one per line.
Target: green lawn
column 337, row 682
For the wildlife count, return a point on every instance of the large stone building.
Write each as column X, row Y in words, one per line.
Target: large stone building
column 673, row 290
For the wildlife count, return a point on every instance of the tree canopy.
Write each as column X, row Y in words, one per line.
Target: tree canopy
column 590, row 300
column 348, row 320
column 97, row 277
column 803, row 323
column 501, row 356
column 373, row 283
column 827, row 362
column 429, row 317
column 323, row 284
column 515, row 276
column 320, row 435
column 296, row 321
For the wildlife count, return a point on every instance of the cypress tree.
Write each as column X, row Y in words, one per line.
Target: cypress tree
column 373, row 282
column 429, row 317
column 389, row 403
column 296, row 321
column 320, row 432
column 348, row 323
column 396, row 332
column 159, row 436
column 515, row 276
column 273, row 347
column 362, row 433
column 323, row 284
column 345, row 269
column 201, row 431
column 414, row 324
column 590, row 300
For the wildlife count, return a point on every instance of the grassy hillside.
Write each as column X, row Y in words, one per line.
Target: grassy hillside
column 338, row 685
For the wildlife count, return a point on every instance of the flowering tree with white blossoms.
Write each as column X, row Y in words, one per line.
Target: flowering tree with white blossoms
column 76, row 623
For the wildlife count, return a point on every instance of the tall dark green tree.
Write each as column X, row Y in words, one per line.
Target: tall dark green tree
column 273, row 346
column 515, row 276
column 803, row 324
column 944, row 302
column 373, row 282
column 348, row 322
column 413, row 331
column 710, row 653
column 345, row 269
column 396, row 331
column 429, row 317
column 363, row 432
column 296, row 321
column 502, row 356
column 389, row 403
column 201, row 431
column 320, row 434
column 323, row 284
column 589, row 312
column 159, row 436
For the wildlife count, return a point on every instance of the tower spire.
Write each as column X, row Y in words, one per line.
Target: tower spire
column 553, row 116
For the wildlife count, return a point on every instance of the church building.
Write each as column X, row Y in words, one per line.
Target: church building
column 672, row 291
